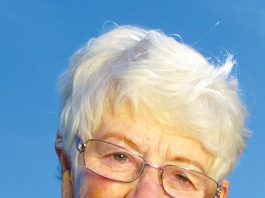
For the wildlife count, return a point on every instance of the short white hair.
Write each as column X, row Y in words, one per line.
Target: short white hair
column 175, row 84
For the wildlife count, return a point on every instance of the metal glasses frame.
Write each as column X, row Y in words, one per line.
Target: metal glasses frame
column 81, row 146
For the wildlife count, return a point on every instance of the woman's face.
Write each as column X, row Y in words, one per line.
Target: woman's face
column 156, row 144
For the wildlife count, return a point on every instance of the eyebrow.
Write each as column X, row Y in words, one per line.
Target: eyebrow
column 190, row 162
column 129, row 142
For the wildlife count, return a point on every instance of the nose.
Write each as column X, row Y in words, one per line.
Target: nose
column 148, row 185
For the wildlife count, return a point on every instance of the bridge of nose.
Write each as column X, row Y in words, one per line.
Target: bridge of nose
column 148, row 185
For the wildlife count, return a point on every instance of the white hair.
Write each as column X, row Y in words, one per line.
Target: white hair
column 175, row 84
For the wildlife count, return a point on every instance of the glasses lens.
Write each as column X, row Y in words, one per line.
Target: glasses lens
column 184, row 183
column 112, row 161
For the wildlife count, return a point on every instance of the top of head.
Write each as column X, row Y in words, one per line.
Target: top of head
column 156, row 76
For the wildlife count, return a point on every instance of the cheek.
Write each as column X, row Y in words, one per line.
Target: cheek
column 93, row 186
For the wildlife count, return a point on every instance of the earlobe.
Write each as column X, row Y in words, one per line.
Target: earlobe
column 67, row 188
column 225, row 189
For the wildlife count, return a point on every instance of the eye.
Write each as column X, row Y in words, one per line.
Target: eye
column 183, row 180
column 120, row 157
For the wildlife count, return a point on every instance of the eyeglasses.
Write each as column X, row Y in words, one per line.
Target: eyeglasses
column 119, row 164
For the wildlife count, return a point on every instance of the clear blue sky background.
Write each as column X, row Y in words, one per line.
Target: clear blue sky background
column 38, row 37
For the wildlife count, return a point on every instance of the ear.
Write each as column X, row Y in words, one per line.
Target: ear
column 225, row 189
column 67, row 187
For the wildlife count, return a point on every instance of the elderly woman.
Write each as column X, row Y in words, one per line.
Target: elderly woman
column 143, row 115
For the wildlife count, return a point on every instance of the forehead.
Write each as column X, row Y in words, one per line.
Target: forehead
column 153, row 141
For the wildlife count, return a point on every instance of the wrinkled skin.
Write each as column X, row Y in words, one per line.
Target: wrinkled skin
column 155, row 143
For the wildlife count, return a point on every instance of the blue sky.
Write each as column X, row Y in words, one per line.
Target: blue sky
column 38, row 38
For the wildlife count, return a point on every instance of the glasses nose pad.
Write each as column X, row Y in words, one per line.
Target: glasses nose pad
column 159, row 169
